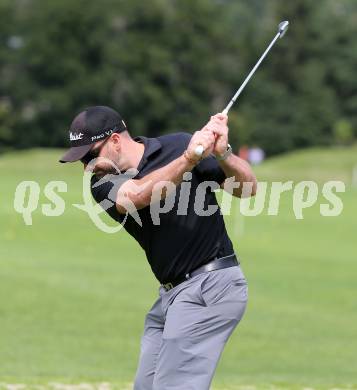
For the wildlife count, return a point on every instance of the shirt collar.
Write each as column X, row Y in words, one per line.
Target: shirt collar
column 151, row 145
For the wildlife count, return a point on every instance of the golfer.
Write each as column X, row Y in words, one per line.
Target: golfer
column 203, row 291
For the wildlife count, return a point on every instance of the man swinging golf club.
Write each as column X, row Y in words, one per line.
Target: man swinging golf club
column 203, row 292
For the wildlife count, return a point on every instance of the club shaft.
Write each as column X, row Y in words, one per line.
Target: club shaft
column 235, row 97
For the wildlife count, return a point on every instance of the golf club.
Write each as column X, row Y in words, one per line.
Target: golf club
column 283, row 27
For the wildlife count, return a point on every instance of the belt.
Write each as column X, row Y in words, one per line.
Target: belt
column 214, row 265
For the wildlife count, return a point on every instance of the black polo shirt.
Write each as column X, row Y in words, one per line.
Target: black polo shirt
column 180, row 243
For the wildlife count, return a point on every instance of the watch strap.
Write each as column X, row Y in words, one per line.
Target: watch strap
column 226, row 154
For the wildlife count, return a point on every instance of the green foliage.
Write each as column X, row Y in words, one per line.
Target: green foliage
column 168, row 65
column 343, row 132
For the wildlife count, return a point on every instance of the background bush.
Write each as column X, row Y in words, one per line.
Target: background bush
column 168, row 65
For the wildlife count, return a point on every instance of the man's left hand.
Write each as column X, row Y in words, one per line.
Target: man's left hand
column 218, row 125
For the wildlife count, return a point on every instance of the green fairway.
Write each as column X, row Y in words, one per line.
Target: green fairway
column 73, row 299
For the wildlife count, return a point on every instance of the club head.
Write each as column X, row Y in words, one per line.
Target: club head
column 283, row 28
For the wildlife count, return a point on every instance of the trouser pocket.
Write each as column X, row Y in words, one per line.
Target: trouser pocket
column 224, row 286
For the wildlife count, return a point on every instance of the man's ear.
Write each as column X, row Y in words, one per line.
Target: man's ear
column 117, row 142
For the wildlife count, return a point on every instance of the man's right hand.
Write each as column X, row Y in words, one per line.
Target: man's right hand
column 204, row 138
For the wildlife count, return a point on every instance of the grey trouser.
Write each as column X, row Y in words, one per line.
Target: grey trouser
column 187, row 328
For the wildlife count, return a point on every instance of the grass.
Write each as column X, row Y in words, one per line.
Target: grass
column 73, row 299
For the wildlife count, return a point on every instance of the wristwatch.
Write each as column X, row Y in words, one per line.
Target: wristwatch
column 226, row 154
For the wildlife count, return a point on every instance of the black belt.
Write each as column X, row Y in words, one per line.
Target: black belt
column 214, row 265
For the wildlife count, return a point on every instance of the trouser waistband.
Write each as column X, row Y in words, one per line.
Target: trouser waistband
column 214, row 265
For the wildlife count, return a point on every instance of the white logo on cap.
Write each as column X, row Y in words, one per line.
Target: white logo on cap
column 75, row 137
column 107, row 133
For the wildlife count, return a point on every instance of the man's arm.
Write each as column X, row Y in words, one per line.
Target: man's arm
column 138, row 192
column 233, row 166
column 243, row 174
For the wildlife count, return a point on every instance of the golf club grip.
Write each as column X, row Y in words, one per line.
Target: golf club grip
column 199, row 150
column 225, row 111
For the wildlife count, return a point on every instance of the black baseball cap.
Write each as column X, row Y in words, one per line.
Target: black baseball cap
column 89, row 126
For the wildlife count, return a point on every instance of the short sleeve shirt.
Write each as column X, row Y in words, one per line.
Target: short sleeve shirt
column 191, row 231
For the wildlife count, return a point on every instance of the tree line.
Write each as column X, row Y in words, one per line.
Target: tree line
column 167, row 65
